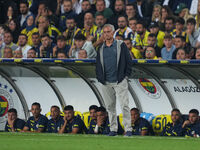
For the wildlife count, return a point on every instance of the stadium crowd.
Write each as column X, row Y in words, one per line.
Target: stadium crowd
column 151, row 29
column 96, row 122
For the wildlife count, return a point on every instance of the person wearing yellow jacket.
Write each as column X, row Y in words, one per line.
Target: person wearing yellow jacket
column 30, row 29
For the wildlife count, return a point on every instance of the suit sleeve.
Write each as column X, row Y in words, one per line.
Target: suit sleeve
column 128, row 59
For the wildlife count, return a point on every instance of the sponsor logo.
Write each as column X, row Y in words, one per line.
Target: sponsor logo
column 6, row 101
column 149, row 87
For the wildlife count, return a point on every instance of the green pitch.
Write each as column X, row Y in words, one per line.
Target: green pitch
column 30, row 141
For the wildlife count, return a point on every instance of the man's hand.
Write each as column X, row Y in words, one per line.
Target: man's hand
column 90, row 38
column 54, row 51
column 87, row 27
column 41, row 30
column 99, row 122
column 59, row 2
column 65, row 119
column 41, row 50
column 187, row 122
column 189, row 31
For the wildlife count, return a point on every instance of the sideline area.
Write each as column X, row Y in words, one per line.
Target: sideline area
column 33, row 141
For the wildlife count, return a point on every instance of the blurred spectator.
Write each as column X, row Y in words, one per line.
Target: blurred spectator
column 132, row 22
column 41, row 9
column 8, row 40
column 3, row 29
column 197, row 17
column 12, row 13
column 53, row 19
column 33, row 6
column 152, row 41
column 135, row 53
column 179, row 31
column 2, row 45
column 156, row 14
column 30, row 28
column 183, row 12
column 101, row 8
column 24, row 10
column 154, row 29
column 142, row 35
column 45, row 27
column 194, row 6
column 23, row 44
column 181, row 54
column 14, row 28
column 46, row 49
column 174, row 4
column 89, row 26
column 119, row 37
column 168, row 50
column 150, row 53
column 17, row 54
column 71, row 31
column 82, row 54
column 36, row 41
column 192, row 32
column 197, row 53
column 131, row 11
column 31, row 53
column 179, row 9
column 144, row 9
column 68, row 12
column 8, row 52
column 123, row 29
column 169, row 25
column 98, row 38
column 86, row 7
column 58, row 5
column 76, row 6
column 179, row 42
column 81, row 43
column 165, row 12
column 61, row 55
column 119, row 10
column 53, row 16
column 61, row 46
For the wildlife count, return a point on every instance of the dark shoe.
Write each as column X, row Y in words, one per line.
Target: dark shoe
column 128, row 133
column 112, row 133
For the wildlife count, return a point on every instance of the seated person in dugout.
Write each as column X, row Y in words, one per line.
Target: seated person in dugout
column 174, row 128
column 72, row 124
column 14, row 124
column 92, row 115
column 140, row 125
column 56, row 121
column 102, row 125
column 191, row 126
column 37, row 122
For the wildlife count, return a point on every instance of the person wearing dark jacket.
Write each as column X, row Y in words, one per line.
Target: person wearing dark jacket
column 113, row 66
